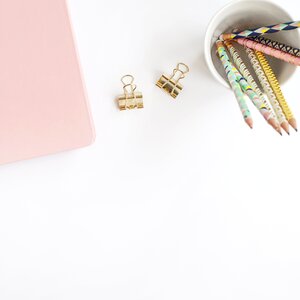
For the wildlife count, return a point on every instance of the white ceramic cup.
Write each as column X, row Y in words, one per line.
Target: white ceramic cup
column 249, row 14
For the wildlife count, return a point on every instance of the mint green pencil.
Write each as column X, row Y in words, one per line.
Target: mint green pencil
column 239, row 94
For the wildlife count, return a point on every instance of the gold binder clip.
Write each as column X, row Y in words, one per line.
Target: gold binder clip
column 171, row 84
column 130, row 99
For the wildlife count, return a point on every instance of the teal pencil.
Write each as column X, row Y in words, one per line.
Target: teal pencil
column 230, row 72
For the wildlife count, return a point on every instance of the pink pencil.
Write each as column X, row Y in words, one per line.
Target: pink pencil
column 270, row 51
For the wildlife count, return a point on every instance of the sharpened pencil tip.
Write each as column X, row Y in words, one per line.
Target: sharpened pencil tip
column 293, row 123
column 285, row 127
column 249, row 122
column 274, row 123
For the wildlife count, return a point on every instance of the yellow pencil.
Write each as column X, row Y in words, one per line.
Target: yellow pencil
column 277, row 90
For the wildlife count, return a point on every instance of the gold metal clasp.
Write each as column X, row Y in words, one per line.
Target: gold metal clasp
column 131, row 99
column 171, row 85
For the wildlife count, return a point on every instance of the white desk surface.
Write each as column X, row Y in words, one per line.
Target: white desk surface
column 177, row 201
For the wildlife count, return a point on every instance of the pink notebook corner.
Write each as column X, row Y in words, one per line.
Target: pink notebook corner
column 43, row 103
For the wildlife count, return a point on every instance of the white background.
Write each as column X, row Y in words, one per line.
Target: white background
column 177, row 201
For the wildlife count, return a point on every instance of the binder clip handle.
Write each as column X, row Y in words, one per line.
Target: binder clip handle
column 128, row 81
column 182, row 69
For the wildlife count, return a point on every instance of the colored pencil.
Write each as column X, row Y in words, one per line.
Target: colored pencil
column 261, row 30
column 249, row 86
column 277, row 45
column 229, row 69
column 277, row 89
column 270, row 51
column 268, row 89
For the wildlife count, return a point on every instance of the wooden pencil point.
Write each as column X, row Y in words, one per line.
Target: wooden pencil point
column 285, row 127
column 249, row 122
column 293, row 123
column 279, row 131
column 273, row 122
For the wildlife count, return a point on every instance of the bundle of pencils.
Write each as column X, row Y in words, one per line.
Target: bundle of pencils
column 273, row 105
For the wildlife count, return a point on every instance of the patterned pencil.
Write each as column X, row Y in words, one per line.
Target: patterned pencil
column 234, row 84
column 277, row 90
column 268, row 90
column 261, row 31
column 277, row 45
column 270, row 51
column 249, row 85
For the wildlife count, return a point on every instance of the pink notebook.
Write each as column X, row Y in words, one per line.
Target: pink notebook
column 43, row 103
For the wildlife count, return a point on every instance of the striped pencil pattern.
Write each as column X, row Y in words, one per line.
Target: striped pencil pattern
column 270, row 51
column 261, row 31
column 277, row 45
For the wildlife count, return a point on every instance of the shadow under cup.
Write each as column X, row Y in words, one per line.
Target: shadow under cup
column 249, row 14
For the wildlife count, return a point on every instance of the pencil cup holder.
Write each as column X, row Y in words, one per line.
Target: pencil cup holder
column 249, row 14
